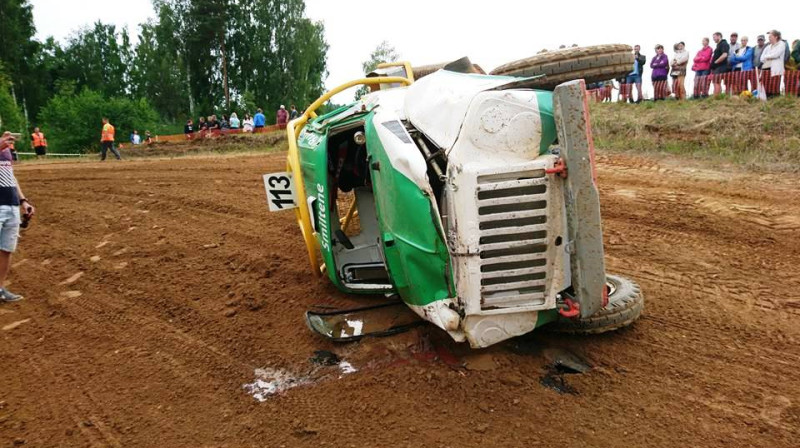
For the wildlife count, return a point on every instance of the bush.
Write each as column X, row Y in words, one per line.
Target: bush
column 73, row 123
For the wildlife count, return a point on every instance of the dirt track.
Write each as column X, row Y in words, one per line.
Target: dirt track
column 155, row 289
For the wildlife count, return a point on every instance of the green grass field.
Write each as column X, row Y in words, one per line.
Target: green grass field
column 746, row 132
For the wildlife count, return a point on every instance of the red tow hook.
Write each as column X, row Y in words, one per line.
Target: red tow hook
column 570, row 309
column 559, row 169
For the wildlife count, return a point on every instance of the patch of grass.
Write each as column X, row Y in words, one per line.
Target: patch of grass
column 744, row 131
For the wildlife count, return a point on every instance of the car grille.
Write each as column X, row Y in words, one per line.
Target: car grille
column 512, row 215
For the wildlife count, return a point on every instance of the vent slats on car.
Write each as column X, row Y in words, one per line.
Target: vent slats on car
column 512, row 215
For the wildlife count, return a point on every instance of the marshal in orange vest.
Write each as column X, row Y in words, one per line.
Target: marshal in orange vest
column 108, row 133
column 38, row 140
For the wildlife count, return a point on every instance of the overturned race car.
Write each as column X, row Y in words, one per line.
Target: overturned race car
column 471, row 197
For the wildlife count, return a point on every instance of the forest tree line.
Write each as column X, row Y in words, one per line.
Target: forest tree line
column 194, row 57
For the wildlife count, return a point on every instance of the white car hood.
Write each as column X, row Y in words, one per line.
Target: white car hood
column 437, row 104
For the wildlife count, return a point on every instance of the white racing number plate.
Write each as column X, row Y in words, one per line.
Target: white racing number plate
column 280, row 191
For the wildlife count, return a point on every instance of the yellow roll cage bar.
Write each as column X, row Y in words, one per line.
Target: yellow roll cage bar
column 293, row 130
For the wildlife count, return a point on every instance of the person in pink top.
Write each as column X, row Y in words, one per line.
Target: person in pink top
column 702, row 68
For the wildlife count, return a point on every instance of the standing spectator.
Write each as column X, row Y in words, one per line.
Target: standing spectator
column 293, row 113
column 136, row 138
column 259, row 120
column 793, row 83
column 635, row 76
column 702, row 68
column 282, row 117
column 735, row 46
column 188, row 128
column 679, row 63
column 743, row 60
column 760, row 40
column 791, row 61
column 660, row 66
column 38, row 143
column 14, row 207
column 772, row 60
column 235, row 121
column 247, row 124
column 107, row 141
column 719, row 61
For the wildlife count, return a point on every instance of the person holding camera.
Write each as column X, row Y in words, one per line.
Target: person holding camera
column 15, row 210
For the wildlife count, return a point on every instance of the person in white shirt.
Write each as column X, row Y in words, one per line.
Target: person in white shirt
column 772, row 62
column 679, row 63
column 735, row 46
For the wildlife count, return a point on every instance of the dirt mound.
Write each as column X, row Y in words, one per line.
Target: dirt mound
column 164, row 307
column 217, row 144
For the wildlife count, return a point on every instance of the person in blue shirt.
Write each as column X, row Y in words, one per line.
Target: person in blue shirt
column 259, row 120
column 743, row 58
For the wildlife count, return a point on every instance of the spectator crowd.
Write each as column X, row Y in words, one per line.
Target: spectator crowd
column 734, row 67
column 213, row 126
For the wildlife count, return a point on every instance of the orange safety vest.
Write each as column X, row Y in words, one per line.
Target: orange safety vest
column 38, row 140
column 108, row 133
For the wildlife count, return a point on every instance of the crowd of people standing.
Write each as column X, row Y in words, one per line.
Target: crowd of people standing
column 740, row 67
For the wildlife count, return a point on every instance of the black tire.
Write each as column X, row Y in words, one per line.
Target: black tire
column 593, row 64
column 625, row 305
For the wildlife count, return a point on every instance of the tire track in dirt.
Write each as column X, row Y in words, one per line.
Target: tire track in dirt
column 197, row 285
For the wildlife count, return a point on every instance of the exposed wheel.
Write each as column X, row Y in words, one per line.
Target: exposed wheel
column 625, row 305
column 594, row 64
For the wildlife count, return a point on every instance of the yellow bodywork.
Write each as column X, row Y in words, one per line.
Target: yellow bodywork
column 293, row 130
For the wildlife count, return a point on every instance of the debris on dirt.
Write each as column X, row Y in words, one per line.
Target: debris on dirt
column 562, row 362
column 230, row 313
column 270, row 382
column 325, row 358
column 566, row 360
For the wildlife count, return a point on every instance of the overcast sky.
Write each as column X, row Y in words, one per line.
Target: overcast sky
column 491, row 32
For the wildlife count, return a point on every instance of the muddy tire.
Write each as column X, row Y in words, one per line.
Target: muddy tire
column 593, row 64
column 625, row 305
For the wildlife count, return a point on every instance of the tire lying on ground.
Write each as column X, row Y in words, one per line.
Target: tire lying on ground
column 625, row 305
column 594, row 64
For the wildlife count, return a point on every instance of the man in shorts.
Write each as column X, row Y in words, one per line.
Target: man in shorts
column 635, row 76
column 719, row 61
column 11, row 201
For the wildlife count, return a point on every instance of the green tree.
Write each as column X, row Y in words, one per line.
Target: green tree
column 72, row 120
column 384, row 52
column 158, row 71
column 11, row 118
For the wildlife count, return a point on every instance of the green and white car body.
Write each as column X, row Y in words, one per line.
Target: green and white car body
column 482, row 246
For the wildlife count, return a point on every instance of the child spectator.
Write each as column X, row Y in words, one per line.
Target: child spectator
column 136, row 139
